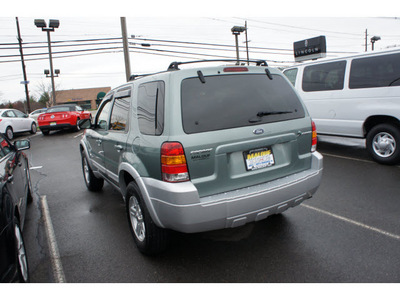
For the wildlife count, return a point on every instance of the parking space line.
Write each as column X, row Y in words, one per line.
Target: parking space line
column 78, row 135
column 388, row 234
column 51, row 240
column 35, row 168
column 346, row 157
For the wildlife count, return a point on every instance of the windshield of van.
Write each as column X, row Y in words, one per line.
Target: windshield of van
column 230, row 101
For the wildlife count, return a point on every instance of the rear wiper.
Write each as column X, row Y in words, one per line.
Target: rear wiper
column 261, row 114
column 269, row 113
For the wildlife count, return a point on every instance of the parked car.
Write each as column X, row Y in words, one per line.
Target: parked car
column 201, row 149
column 35, row 114
column 61, row 117
column 15, row 193
column 14, row 121
column 356, row 96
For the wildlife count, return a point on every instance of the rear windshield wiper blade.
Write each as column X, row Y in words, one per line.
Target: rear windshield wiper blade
column 269, row 113
column 261, row 114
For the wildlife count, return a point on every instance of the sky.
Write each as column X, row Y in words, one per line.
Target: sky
column 270, row 35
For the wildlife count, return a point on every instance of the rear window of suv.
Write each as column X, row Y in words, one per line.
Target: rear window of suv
column 230, row 101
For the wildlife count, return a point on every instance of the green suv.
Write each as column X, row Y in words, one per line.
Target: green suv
column 202, row 149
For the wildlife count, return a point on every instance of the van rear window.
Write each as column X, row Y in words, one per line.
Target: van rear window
column 230, row 101
column 376, row 71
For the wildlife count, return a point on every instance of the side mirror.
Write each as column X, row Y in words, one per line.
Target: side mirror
column 22, row 145
column 85, row 123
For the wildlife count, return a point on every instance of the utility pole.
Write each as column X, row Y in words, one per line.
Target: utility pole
column 126, row 48
column 247, row 43
column 25, row 82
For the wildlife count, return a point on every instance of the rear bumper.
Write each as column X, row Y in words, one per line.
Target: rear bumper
column 57, row 127
column 178, row 206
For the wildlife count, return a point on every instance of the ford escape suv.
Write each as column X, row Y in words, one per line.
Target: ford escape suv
column 202, row 148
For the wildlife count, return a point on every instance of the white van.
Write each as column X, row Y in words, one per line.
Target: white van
column 355, row 96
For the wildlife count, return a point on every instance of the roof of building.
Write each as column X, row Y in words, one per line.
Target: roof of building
column 77, row 95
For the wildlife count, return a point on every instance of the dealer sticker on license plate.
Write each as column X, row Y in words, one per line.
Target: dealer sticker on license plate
column 258, row 159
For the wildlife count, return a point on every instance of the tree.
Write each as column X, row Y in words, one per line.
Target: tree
column 44, row 99
column 44, row 91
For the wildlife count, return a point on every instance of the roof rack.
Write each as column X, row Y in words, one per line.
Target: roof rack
column 175, row 65
column 136, row 76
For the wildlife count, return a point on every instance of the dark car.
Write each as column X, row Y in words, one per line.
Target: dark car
column 15, row 193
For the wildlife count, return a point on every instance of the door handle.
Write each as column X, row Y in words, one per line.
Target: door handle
column 119, row 148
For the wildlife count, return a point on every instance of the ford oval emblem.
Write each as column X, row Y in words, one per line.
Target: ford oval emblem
column 258, row 131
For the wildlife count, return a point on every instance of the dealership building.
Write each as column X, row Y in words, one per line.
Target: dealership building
column 86, row 98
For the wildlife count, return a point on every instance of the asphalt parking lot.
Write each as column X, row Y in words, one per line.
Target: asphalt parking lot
column 349, row 232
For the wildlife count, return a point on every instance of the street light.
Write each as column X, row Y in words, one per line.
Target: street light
column 236, row 30
column 374, row 39
column 40, row 23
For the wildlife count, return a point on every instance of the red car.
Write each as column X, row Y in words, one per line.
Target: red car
column 62, row 117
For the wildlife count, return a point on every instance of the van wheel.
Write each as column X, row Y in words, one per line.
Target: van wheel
column 383, row 143
column 149, row 238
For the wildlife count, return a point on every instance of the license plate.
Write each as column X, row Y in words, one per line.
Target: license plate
column 53, row 123
column 259, row 158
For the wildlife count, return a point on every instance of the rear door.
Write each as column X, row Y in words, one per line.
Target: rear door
column 243, row 129
column 13, row 120
column 114, row 142
column 23, row 120
column 95, row 137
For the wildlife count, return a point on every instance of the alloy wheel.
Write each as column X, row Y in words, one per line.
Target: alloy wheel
column 137, row 220
column 23, row 264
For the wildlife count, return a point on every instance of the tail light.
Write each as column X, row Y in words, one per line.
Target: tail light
column 314, row 137
column 173, row 162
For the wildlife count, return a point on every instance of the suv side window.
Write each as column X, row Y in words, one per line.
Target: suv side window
column 120, row 114
column 104, row 117
column 324, row 77
column 378, row 71
column 151, row 107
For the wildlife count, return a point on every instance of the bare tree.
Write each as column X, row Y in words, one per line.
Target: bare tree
column 44, row 92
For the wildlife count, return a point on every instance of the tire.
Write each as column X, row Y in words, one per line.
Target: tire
column 33, row 128
column 9, row 133
column 29, row 197
column 20, row 252
column 149, row 238
column 93, row 183
column 45, row 132
column 383, row 143
column 77, row 127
